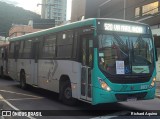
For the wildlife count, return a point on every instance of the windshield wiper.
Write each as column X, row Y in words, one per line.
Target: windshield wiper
column 121, row 44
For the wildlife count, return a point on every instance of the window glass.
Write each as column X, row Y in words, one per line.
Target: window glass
column 75, row 45
column 64, row 45
column 21, row 49
column 151, row 8
column 1, row 51
column 49, row 47
column 137, row 12
column 16, row 49
column 11, row 50
column 27, row 49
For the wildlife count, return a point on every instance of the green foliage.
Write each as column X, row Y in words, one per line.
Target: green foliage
column 10, row 14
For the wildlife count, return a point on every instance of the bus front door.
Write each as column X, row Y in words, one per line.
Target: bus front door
column 86, row 70
column 34, row 63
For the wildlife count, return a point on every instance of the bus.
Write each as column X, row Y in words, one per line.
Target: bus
column 97, row 60
column 4, row 59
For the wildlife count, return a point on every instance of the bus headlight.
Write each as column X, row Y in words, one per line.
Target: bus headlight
column 104, row 85
column 153, row 82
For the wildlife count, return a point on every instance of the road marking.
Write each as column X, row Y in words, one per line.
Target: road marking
column 13, row 107
column 20, row 93
column 24, row 99
column 109, row 116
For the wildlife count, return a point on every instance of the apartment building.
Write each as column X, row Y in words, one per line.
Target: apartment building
column 54, row 9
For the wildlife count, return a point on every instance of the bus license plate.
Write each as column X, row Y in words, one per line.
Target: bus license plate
column 131, row 99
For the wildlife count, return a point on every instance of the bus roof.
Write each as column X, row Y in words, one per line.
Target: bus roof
column 86, row 22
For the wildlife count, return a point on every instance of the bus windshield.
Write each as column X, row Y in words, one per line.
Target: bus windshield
column 125, row 54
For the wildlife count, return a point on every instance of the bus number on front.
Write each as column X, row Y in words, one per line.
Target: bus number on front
column 144, row 86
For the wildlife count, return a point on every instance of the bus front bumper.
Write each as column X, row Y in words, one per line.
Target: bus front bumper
column 102, row 96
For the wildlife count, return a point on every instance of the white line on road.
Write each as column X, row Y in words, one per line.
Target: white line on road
column 19, row 93
column 13, row 107
column 23, row 99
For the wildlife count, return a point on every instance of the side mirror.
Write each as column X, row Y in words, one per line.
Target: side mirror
column 156, row 56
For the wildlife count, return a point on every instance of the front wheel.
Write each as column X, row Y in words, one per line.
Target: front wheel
column 23, row 84
column 67, row 94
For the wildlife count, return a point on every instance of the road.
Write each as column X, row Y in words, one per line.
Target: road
column 14, row 98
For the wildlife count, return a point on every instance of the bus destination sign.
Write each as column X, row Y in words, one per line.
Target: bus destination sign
column 123, row 28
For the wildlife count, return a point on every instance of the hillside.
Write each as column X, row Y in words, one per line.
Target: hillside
column 10, row 14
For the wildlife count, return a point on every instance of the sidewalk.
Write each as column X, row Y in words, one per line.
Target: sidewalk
column 158, row 89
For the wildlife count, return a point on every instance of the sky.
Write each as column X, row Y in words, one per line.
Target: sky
column 32, row 5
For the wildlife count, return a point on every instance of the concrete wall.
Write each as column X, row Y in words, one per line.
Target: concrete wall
column 78, row 9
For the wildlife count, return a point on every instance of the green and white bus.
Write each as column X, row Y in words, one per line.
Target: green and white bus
column 95, row 60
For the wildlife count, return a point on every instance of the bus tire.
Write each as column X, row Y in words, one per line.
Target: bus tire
column 23, row 84
column 66, row 94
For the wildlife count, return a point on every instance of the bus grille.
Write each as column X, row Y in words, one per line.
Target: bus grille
column 124, row 97
column 129, row 80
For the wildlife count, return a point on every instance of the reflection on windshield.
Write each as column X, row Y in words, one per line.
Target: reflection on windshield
column 120, row 54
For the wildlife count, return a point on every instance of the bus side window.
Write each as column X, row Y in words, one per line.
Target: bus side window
column 90, row 53
column 11, row 50
column 21, row 49
column 64, row 44
column 75, row 45
column 3, row 55
column 27, row 49
column 48, row 46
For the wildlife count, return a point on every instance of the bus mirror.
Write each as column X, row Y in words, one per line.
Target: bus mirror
column 156, row 55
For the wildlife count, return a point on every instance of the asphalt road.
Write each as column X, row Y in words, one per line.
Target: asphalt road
column 12, row 97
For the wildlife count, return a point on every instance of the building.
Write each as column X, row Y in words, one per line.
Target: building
column 140, row 10
column 54, row 9
column 18, row 30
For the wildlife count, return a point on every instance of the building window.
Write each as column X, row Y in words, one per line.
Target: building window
column 151, row 8
column 137, row 12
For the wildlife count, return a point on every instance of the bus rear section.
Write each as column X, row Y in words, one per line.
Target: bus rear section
column 124, row 63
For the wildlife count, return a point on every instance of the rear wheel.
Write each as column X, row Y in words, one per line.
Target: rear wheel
column 23, row 84
column 66, row 94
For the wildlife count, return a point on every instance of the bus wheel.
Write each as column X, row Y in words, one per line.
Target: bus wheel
column 67, row 94
column 23, row 84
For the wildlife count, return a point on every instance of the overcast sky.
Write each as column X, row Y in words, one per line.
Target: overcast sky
column 32, row 5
